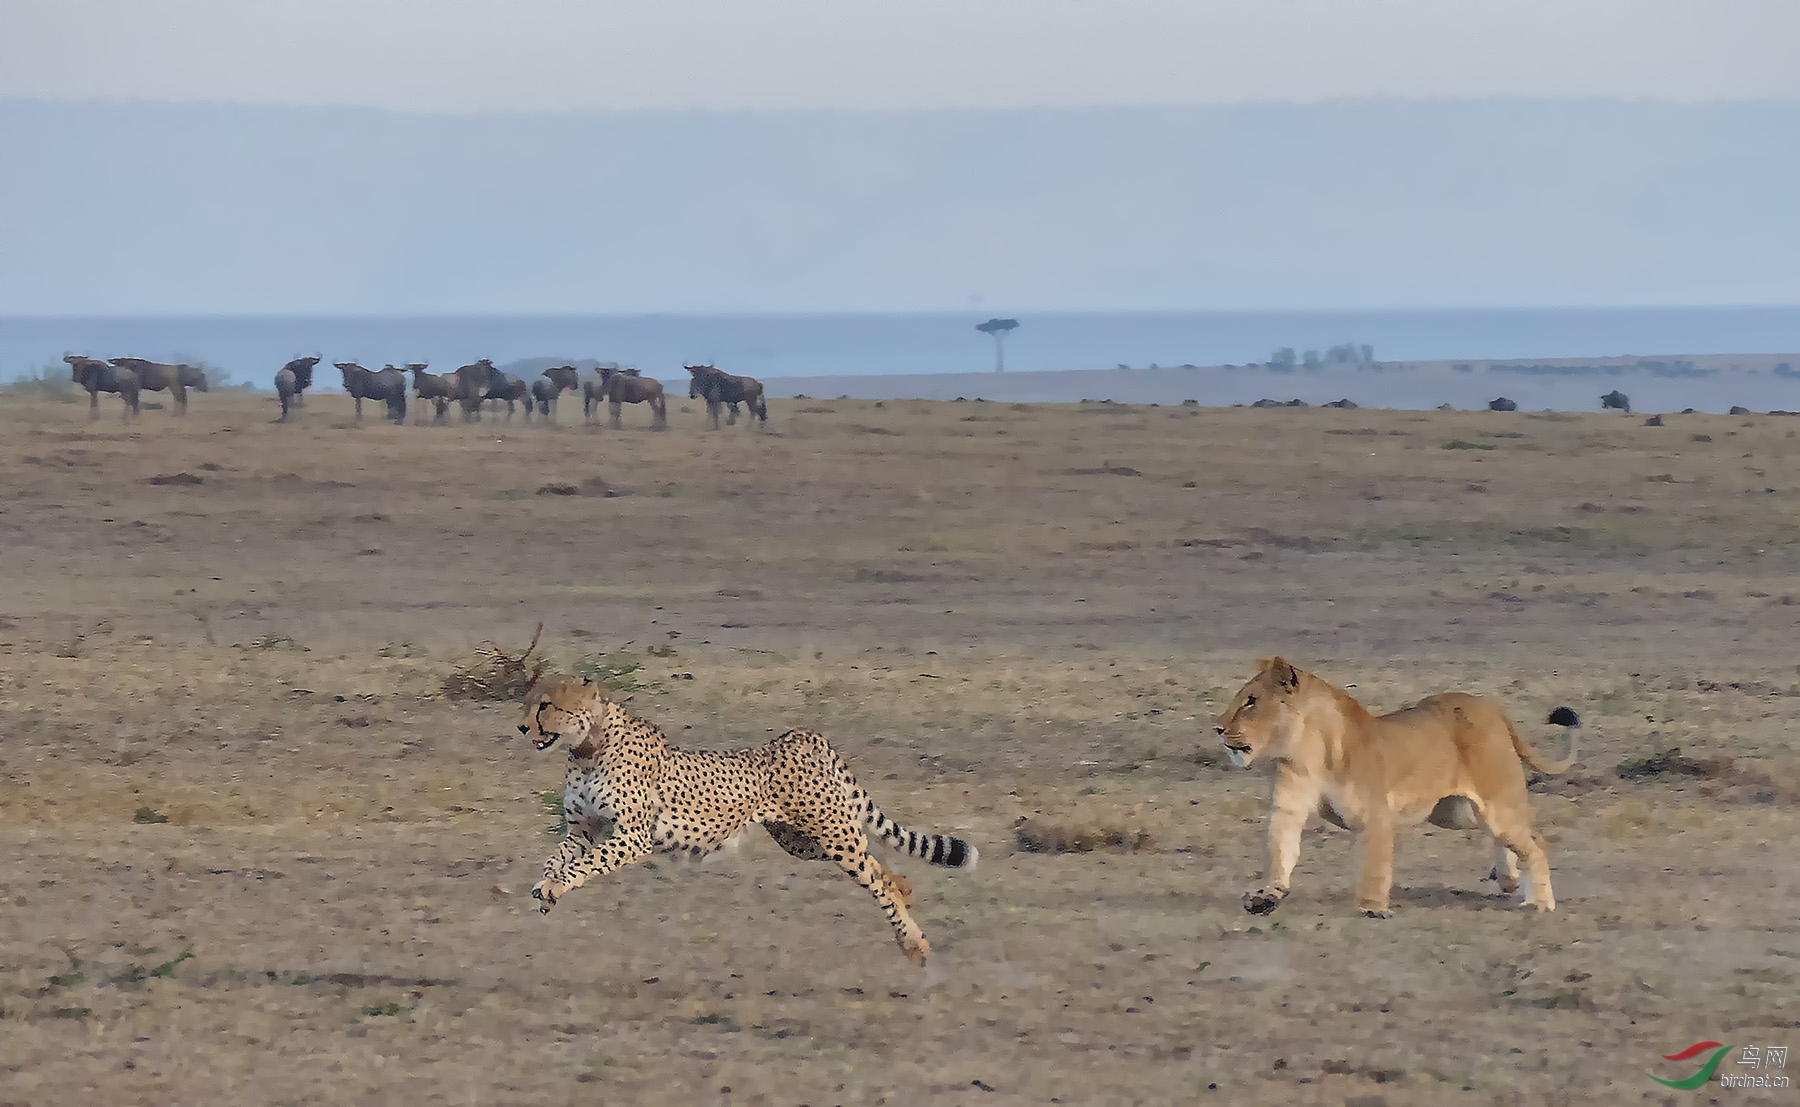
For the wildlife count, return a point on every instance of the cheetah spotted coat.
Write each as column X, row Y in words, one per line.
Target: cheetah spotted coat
column 629, row 792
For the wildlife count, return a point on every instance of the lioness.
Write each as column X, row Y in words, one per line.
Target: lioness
column 1453, row 759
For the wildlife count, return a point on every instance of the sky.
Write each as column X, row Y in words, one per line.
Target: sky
column 800, row 156
column 458, row 56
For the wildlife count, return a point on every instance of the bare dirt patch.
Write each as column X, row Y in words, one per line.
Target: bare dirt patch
column 260, row 855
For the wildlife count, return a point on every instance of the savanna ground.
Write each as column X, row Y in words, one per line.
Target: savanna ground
column 257, row 857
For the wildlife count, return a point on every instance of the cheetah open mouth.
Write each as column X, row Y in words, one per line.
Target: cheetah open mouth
column 546, row 741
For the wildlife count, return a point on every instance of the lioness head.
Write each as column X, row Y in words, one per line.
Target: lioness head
column 1262, row 718
column 560, row 707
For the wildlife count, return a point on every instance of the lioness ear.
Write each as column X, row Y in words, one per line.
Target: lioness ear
column 1285, row 675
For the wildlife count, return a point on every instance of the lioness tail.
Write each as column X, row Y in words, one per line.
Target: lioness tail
column 1563, row 717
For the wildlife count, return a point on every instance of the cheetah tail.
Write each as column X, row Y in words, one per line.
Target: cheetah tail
column 933, row 849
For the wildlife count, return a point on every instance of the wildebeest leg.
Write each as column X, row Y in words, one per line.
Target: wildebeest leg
column 178, row 392
column 616, row 408
column 712, row 412
column 660, row 409
column 358, row 400
column 731, row 419
column 94, row 403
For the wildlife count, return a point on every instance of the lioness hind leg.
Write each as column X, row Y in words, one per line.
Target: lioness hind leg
column 1517, row 837
column 1505, row 870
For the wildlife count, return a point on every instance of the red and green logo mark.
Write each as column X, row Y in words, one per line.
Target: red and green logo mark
column 1706, row 1071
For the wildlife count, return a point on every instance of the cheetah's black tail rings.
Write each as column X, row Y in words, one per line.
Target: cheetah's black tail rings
column 933, row 849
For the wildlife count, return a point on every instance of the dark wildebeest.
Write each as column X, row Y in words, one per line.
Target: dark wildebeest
column 97, row 376
column 481, row 381
column 388, row 386
column 717, row 387
column 1616, row 401
column 440, row 388
column 193, row 377
column 472, row 383
column 155, row 376
column 1502, row 404
column 552, row 384
column 618, row 387
column 291, row 382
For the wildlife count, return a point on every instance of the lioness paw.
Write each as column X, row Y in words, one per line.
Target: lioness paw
column 1264, row 900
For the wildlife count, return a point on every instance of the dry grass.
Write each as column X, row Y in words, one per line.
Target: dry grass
column 496, row 674
column 1031, row 616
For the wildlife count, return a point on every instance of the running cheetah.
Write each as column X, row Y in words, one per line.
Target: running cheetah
column 629, row 793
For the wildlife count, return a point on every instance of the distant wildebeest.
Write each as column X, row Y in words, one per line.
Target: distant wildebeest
column 388, row 386
column 97, row 376
column 552, row 384
column 155, row 376
column 1616, row 401
column 511, row 389
column 717, row 387
column 291, row 382
column 618, row 387
column 472, row 382
column 482, row 381
column 440, row 388
column 1502, row 404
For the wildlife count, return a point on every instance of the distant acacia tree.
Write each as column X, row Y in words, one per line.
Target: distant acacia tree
column 998, row 328
column 1310, row 359
column 1283, row 358
column 1368, row 354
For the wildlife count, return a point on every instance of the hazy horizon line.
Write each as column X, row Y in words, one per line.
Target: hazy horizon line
column 1320, row 102
column 899, row 313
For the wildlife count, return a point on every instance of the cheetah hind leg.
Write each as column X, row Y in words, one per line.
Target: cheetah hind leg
column 892, row 891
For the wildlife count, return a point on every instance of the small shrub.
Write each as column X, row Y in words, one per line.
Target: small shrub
column 1039, row 837
column 496, row 675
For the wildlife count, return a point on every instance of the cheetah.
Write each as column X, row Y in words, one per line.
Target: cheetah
column 629, row 792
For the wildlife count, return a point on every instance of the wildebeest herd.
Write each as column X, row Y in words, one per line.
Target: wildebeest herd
column 470, row 387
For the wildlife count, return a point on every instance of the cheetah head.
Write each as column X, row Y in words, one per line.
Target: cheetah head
column 560, row 707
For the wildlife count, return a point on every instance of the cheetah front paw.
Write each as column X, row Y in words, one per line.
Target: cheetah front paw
column 545, row 893
column 1264, row 900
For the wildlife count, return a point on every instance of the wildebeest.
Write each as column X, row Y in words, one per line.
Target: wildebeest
column 1616, row 401
column 617, row 387
column 97, row 376
column 717, row 387
column 440, row 388
column 388, row 386
column 482, row 381
column 155, row 376
column 1502, row 404
column 193, row 377
column 552, row 384
column 472, row 386
column 291, row 382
